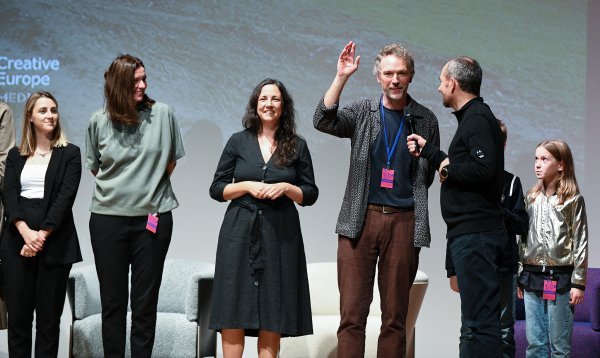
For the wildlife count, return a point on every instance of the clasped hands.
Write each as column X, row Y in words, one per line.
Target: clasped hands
column 34, row 240
column 262, row 190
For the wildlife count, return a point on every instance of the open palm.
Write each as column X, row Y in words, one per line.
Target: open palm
column 347, row 64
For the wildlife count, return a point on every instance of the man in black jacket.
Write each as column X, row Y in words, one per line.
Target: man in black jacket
column 472, row 175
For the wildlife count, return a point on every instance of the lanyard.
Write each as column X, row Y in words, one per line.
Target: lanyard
column 387, row 145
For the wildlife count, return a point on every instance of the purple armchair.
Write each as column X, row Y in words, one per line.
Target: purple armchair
column 586, row 323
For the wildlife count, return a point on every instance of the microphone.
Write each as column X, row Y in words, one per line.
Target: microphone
column 411, row 125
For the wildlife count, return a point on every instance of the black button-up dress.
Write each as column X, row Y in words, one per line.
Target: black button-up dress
column 260, row 277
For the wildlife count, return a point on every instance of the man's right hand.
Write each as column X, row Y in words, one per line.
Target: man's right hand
column 347, row 64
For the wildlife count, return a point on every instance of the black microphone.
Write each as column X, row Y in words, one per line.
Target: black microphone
column 411, row 125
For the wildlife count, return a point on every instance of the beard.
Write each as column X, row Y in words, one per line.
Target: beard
column 395, row 95
column 445, row 102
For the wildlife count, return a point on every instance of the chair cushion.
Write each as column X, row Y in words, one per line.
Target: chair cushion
column 175, row 336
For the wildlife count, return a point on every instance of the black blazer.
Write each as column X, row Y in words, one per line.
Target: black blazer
column 60, row 188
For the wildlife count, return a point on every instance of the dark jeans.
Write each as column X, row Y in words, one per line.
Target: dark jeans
column 389, row 238
column 476, row 257
column 508, row 296
column 117, row 242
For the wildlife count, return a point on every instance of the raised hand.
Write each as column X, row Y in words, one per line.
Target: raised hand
column 347, row 64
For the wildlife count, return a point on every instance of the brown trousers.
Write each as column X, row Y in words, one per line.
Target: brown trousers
column 389, row 238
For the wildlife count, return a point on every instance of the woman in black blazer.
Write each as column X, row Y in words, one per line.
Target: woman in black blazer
column 39, row 242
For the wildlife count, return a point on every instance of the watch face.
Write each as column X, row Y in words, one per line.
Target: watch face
column 444, row 172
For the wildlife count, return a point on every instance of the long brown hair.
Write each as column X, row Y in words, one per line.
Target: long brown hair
column 566, row 183
column 285, row 136
column 118, row 90
column 28, row 139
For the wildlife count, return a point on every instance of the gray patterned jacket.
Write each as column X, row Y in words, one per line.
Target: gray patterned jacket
column 360, row 121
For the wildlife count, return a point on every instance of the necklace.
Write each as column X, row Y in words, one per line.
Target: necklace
column 43, row 155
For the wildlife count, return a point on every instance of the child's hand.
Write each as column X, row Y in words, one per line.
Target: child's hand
column 520, row 293
column 576, row 296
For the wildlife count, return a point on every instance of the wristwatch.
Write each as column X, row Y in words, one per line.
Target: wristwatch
column 444, row 173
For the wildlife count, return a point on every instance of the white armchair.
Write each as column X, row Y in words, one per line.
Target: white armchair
column 183, row 312
column 324, row 297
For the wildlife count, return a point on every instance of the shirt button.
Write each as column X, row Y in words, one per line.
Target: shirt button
column 260, row 212
column 255, row 283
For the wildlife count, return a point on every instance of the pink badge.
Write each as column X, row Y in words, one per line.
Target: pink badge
column 387, row 178
column 550, row 290
column 152, row 223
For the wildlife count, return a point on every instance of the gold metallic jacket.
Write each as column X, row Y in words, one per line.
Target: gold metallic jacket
column 558, row 235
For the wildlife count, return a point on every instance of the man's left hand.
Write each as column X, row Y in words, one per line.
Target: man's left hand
column 414, row 142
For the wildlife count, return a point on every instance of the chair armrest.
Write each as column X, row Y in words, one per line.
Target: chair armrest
column 199, row 294
column 197, row 309
column 83, row 291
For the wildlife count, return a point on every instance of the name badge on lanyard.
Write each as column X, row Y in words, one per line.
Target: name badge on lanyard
column 152, row 223
column 387, row 178
column 387, row 174
column 550, row 289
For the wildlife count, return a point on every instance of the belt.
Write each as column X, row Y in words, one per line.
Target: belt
column 386, row 209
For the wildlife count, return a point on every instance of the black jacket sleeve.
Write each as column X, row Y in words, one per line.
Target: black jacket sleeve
column 306, row 176
column 515, row 214
column 64, row 198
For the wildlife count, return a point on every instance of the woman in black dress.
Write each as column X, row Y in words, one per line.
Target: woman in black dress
column 261, row 285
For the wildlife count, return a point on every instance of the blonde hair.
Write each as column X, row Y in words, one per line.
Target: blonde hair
column 566, row 183
column 28, row 139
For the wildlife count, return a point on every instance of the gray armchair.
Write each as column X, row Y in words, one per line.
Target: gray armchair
column 183, row 312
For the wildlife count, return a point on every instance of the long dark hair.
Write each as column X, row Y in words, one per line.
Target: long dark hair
column 118, row 90
column 285, row 136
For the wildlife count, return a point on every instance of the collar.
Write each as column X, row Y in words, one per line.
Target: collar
column 461, row 112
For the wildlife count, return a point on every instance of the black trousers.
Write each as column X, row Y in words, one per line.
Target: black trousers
column 118, row 242
column 31, row 285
